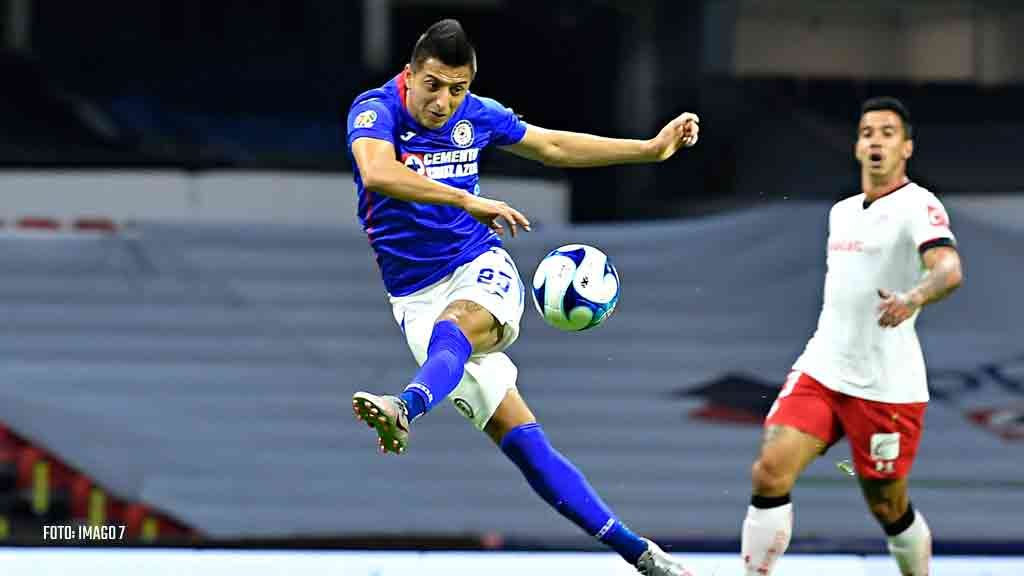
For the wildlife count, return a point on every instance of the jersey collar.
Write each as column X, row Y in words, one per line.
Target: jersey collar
column 400, row 85
column 906, row 182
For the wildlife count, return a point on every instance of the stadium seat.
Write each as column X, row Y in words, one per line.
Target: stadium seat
column 28, row 457
column 81, row 488
column 38, row 223
column 94, row 225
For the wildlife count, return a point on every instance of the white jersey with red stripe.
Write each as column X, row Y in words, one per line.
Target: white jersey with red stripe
column 874, row 246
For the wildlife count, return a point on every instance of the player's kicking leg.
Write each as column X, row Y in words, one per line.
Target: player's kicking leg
column 515, row 430
column 494, row 406
column 799, row 426
column 475, row 310
column 463, row 326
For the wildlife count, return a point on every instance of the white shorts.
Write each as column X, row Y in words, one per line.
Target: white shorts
column 492, row 281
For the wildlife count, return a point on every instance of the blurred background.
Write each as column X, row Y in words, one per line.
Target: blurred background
column 188, row 301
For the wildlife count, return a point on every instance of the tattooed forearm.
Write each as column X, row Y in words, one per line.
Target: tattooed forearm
column 942, row 278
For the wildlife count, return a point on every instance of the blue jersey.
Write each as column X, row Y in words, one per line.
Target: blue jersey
column 418, row 244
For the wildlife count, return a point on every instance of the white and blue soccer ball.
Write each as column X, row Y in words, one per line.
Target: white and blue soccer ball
column 575, row 287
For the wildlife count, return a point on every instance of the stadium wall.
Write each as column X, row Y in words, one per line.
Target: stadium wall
column 233, row 196
column 922, row 41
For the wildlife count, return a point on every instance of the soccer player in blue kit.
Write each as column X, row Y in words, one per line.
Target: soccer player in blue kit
column 455, row 293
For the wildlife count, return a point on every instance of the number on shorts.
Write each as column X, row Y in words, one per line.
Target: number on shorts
column 503, row 282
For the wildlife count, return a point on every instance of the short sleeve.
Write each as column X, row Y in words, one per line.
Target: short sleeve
column 506, row 127
column 929, row 223
column 370, row 118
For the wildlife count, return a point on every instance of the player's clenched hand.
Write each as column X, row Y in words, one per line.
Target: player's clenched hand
column 491, row 213
column 682, row 131
column 895, row 308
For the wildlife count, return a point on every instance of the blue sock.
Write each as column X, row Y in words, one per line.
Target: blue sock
column 441, row 372
column 562, row 486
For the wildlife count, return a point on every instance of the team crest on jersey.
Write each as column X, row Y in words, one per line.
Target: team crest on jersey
column 365, row 119
column 937, row 217
column 462, row 134
column 415, row 163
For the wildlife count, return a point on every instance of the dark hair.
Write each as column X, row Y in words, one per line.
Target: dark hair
column 446, row 41
column 893, row 105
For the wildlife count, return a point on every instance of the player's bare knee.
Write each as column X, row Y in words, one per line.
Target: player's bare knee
column 771, row 477
column 886, row 511
column 511, row 413
column 475, row 321
column 457, row 312
column 887, row 505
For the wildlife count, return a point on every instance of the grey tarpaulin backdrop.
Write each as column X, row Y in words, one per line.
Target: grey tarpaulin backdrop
column 207, row 370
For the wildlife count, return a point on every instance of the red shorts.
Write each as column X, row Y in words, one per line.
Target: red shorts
column 883, row 437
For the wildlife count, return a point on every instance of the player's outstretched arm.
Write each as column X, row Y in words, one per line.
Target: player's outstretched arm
column 382, row 174
column 943, row 277
column 577, row 150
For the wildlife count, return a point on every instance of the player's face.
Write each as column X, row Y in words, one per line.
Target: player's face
column 882, row 145
column 436, row 91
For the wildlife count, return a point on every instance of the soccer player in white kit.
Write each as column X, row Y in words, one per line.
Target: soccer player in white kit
column 862, row 374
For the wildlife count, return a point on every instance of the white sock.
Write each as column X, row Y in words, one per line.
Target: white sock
column 912, row 548
column 766, row 533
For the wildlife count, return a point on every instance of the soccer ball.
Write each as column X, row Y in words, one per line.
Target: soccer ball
column 575, row 287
